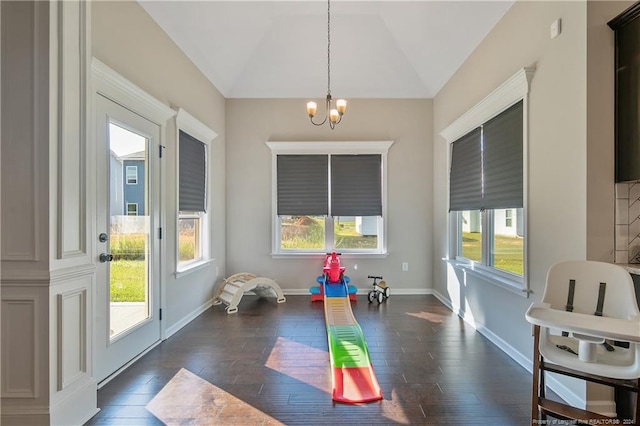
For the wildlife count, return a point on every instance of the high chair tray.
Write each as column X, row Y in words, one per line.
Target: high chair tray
column 605, row 327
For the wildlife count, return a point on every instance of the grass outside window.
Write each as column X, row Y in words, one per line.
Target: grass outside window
column 508, row 251
column 307, row 233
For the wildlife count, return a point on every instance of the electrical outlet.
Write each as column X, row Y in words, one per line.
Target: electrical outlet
column 405, row 266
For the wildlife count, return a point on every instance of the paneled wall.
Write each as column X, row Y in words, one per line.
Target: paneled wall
column 47, row 274
column 24, row 198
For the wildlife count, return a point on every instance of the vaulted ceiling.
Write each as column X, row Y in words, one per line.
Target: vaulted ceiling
column 278, row 49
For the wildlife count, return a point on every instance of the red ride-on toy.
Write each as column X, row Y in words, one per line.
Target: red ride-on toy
column 332, row 274
column 380, row 290
column 332, row 270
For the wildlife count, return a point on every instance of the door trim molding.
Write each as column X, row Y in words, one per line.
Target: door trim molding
column 114, row 86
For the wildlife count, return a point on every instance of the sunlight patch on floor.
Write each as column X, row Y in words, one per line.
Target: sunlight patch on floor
column 301, row 362
column 429, row 316
column 189, row 399
column 393, row 410
column 311, row 366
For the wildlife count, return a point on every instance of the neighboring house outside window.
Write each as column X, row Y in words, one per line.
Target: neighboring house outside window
column 132, row 209
column 132, row 175
column 329, row 196
column 136, row 171
column 508, row 218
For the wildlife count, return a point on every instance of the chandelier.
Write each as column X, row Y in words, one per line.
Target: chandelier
column 333, row 114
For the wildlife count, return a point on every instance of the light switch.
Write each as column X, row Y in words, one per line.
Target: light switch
column 556, row 28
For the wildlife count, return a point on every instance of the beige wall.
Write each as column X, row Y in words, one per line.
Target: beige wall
column 557, row 156
column 126, row 39
column 570, row 157
column 250, row 123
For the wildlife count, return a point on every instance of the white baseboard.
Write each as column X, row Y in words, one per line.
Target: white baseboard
column 170, row 331
column 363, row 291
column 25, row 416
column 77, row 408
column 560, row 389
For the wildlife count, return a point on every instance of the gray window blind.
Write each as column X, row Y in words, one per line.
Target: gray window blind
column 356, row 185
column 192, row 175
column 502, row 159
column 487, row 164
column 303, row 185
column 465, row 178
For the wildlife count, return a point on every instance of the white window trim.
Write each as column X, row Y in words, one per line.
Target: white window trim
column 127, row 175
column 194, row 127
column 510, row 92
column 319, row 147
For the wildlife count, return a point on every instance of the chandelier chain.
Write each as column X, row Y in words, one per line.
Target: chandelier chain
column 328, row 47
column 334, row 111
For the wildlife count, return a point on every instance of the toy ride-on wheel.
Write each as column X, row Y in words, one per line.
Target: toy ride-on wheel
column 385, row 289
column 371, row 296
column 380, row 298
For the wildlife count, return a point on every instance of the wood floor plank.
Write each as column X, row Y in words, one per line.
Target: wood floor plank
column 268, row 364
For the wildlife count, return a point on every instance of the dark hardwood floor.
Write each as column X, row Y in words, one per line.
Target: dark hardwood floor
column 268, row 364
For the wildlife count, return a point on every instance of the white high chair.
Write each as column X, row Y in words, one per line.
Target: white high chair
column 585, row 307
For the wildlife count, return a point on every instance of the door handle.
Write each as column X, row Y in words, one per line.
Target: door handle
column 106, row 257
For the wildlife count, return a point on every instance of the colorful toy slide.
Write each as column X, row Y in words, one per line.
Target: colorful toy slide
column 353, row 377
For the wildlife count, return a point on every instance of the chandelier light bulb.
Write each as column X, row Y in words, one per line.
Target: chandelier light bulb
column 334, row 115
column 341, row 106
column 312, row 107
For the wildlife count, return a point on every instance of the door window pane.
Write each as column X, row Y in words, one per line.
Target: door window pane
column 129, row 231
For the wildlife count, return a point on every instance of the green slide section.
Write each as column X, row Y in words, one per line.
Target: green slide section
column 347, row 346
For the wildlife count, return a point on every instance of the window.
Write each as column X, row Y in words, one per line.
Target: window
column 192, row 227
column 487, row 185
column 329, row 196
column 132, row 209
column 132, row 175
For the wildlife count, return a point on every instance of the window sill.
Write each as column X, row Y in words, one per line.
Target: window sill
column 345, row 255
column 192, row 267
column 513, row 285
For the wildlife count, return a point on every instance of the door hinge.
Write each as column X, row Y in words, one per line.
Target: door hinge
column 160, row 315
column 161, row 148
column 159, row 233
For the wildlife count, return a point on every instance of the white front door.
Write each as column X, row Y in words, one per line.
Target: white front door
column 128, row 285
